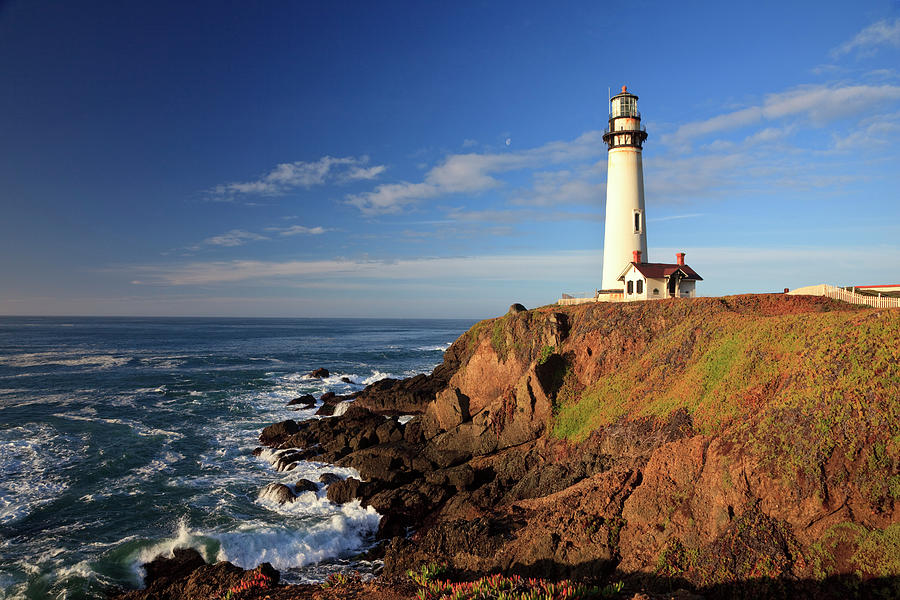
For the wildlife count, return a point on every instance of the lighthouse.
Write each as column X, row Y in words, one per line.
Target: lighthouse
column 628, row 274
column 626, row 227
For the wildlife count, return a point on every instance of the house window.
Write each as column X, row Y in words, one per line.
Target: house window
column 630, row 287
column 656, row 291
column 640, row 286
column 638, row 222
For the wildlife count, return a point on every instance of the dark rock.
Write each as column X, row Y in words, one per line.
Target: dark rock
column 362, row 440
column 389, row 431
column 305, row 400
column 182, row 564
column 329, row 478
column 346, row 380
column 459, row 477
column 326, row 410
column 287, row 461
column 275, row 434
column 328, row 398
column 277, row 492
column 305, row 485
column 320, row 373
column 257, row 451
column 341, row 492
column 516, row 308
column 372, row 464
column 446, row 457
column 412, row 431
column 187, row 576
column 421, row 464
column 391, row 526
column 398, row 397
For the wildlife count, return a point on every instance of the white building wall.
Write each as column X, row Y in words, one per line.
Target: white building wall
column 656, row 284
column 624, row 198
column 687, row 289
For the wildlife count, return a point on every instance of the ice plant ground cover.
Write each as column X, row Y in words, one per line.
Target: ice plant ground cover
column 502, row 587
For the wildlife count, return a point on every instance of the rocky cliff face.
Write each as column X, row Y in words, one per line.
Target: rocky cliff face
column 745, row 446
column 750, row 439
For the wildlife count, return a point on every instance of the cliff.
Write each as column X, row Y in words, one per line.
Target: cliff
column 749, row 440
column 745, row 446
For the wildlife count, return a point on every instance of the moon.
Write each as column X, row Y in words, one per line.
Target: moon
column 508, row 141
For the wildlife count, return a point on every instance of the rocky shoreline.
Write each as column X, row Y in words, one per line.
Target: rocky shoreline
column 479, row 482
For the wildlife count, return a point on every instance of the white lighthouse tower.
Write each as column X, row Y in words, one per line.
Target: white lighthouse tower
column 626, row 228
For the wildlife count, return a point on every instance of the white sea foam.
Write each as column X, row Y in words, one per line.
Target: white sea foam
column 184, row 537
column 330, row 531
column 164, row 462
column 441, row 348
column 378, row 376
column 72, row 358
column 32, row 460
column 336, row 531
column 341, row 407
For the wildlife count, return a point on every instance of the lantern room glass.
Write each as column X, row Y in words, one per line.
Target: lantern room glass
column 624, row 106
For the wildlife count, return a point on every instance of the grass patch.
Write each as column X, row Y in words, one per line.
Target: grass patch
column 833, row 376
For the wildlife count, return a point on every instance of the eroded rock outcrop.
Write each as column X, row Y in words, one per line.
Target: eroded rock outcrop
column 705, row 442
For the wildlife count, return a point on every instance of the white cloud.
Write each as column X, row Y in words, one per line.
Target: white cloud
column 820, row 103
column 473, row 173
column 235, row 237
column 471, row 268
column 298, row 230
column 867, row 41
column 537, row 278
column 300, row 174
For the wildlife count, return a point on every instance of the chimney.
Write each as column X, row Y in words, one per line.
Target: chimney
column 679, row 258
column 637, row 256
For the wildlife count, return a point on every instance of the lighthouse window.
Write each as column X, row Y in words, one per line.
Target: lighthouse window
column 638, row 222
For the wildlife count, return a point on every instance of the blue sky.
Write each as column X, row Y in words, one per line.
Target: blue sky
column 432, row 159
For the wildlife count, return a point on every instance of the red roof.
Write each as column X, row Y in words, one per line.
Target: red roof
column 663, row 270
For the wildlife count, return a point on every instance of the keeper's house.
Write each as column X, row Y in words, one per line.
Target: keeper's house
column 655, row 281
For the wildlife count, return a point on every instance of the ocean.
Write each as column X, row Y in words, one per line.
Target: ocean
column 123, row 438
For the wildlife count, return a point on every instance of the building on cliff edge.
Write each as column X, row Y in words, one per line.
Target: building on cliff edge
column 625, row 276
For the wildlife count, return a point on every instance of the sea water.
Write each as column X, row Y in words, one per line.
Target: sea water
column 123, row 438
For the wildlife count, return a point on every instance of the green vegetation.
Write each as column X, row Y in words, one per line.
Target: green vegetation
column 512, row 587
column 546, row 352
column 498, row 337
column 834, row 376
column 873, row 552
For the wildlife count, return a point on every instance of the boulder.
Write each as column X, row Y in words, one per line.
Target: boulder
column 277, row 492
column 305, row 485
column 343, row 491
column 389, row 431
column 277, row 433
column 346, row 380
column 287, row 461
column 319, row 373
column 329, row 478
column 306, row 400
column 183, row 562
column 412, row 431
column 459, row 477
column 391, row 526
column 516, row 308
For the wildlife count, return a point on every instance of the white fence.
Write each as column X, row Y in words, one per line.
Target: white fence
column 572, row 299
column 841, row 294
